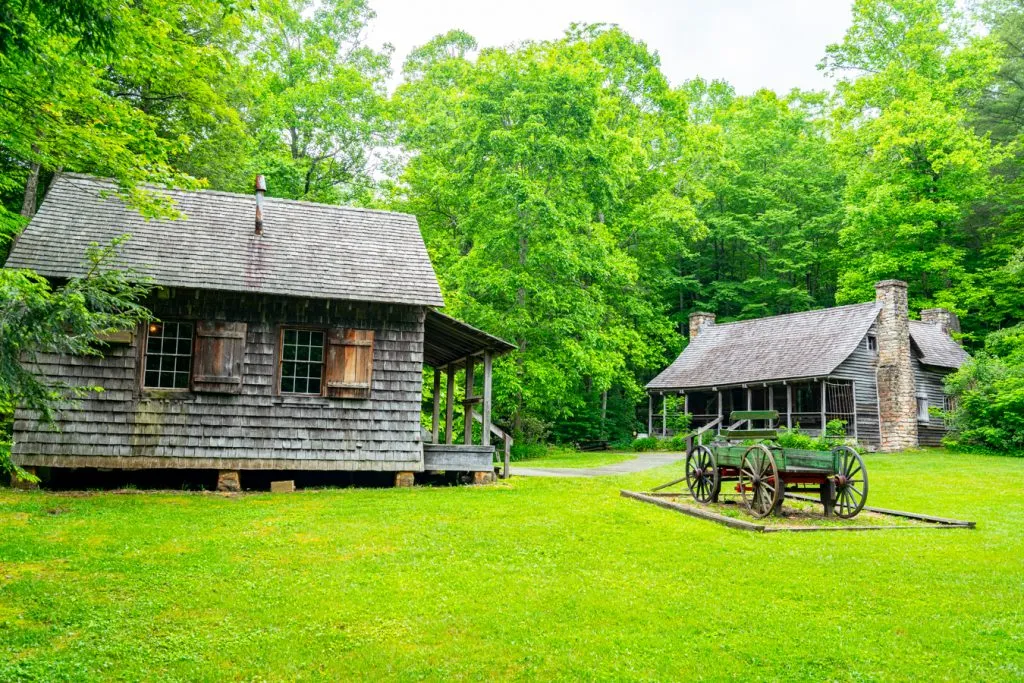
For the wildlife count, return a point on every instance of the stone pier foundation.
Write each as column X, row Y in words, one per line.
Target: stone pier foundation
column 228, row 481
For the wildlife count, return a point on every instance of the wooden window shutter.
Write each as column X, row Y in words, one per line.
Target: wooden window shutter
column 219, row 357
column 349, row 363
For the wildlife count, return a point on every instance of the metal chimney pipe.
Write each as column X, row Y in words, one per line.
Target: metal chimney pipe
column 261, row 188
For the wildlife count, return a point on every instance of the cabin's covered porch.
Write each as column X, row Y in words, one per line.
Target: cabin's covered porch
column 461, row 357
column 809, row 404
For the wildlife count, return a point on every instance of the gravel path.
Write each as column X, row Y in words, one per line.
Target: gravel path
column 640, row 463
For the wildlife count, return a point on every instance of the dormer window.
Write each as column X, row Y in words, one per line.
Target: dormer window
column 871, row 341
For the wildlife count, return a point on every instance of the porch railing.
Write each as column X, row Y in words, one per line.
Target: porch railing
column 506, row 439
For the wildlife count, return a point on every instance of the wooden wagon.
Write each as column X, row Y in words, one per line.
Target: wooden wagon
column 764, row 471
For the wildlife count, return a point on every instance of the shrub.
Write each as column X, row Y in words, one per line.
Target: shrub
column 525, row 451
column 794, row 438
column 648, row 443
column 835, row 428
column 988, row 398
column 677, row 442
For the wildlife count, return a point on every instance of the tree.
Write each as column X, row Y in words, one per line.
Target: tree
column 773, row 212
column 100, row 87
column 36, row 319
column 915, row 164
column 550, row 181
column 988, row 395
column 316, row 104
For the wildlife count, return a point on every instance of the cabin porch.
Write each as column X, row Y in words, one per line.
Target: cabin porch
column 461, row 357
column 808, row 404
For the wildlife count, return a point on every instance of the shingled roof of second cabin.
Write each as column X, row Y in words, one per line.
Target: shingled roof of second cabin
column 936, row 346
column 790, row 346
column 306, row 249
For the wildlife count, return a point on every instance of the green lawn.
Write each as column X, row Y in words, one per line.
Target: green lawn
column 576, row 459
column 537, row 578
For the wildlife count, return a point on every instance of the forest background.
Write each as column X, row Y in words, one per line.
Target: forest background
column 572, row 199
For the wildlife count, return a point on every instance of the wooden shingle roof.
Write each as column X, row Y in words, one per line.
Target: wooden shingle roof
column 937, row 348
column 306, row 249
column 790, row 346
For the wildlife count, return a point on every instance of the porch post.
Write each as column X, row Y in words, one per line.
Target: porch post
column 771, row 402
column 719, row 428
column 435, row 418
column 789, row 406
column 650, row 413
column 664, row 414
column 486, row 438
column 750, row 406
column 853, row 389
column 823, row 408
column 449, row 405
column 468, row 405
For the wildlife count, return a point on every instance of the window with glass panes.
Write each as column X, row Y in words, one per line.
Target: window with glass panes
column 302, row 361
column 168, row 355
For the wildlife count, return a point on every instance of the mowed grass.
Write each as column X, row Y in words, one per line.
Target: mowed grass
column 537, row 578
column 561, row 458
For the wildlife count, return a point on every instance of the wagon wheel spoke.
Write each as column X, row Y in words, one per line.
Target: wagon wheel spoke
column 758, row 477
column 851, row 483
column 701, row 474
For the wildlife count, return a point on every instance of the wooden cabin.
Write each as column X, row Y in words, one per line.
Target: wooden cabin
column 866, row 364
column 288, row 335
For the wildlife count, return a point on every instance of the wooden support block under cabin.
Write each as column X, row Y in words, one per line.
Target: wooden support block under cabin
column 483, row 478
column 404, row 479
column 23, row 484
column 229, row 481
column 282, row 486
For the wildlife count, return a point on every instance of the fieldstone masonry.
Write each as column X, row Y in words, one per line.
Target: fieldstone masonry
column 699, row 320
column 945, row 319
column 897, row 398
column 228, row 481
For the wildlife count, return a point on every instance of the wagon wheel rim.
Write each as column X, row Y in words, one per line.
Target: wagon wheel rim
column 851, row 482
column 702, row 474
column 759, row 474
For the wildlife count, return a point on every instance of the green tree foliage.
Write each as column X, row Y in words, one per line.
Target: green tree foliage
column 552, row 185
column 915, row 164
column 315, row 99
column 108, row 87
column 988, row 395
column 36, row 318
column 773, row 210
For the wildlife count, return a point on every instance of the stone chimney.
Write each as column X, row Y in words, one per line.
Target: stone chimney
column 699, row 320
column 897, row 397
column 944, row 318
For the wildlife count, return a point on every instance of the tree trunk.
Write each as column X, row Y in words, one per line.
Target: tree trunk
column 28, row 204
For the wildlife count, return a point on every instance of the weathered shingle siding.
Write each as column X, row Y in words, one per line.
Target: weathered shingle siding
column 860, row 367
column 123, row 427
column 928, row 380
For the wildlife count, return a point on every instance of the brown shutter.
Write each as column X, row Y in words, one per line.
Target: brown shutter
column 219, row 357
column 349, row 363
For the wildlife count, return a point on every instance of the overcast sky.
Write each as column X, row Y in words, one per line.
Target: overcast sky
column 750, row 43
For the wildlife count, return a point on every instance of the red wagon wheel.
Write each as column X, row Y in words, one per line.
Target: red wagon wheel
column 851, row 481
column 759, row 481
column 702, row 474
